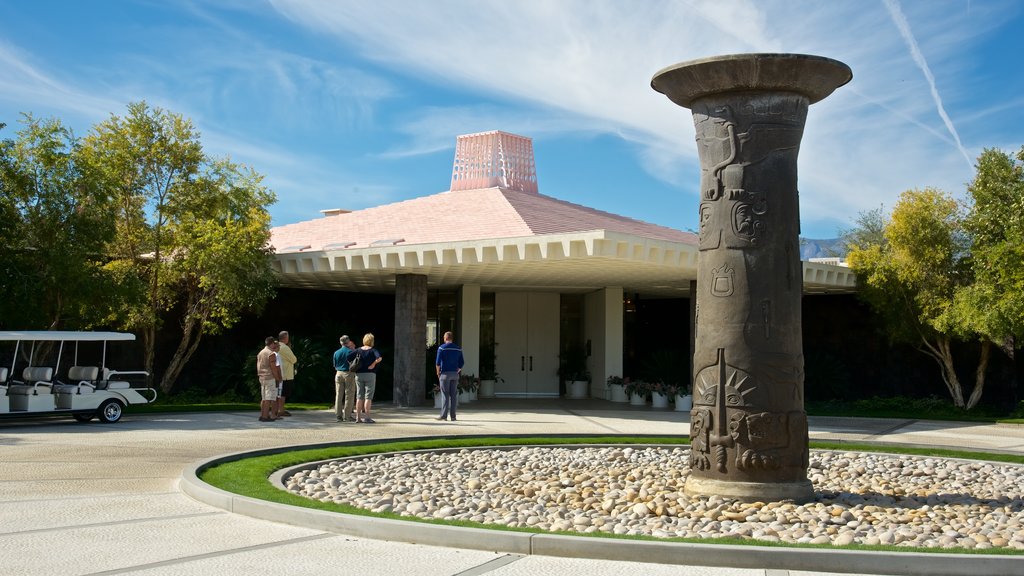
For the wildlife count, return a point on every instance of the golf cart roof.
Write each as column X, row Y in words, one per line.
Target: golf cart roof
column 63, row 336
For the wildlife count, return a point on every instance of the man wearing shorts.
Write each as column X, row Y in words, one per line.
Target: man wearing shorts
column 269, row 374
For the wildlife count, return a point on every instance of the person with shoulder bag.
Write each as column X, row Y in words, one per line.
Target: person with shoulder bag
column 366, row 379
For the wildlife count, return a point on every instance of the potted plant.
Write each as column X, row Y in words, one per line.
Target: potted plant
column 616, row 389
column 661, row 393
column 488, row 370
column 684, row 401
column 572, row 369
column 468, row 385
column 637, row 391
column 436, row 393
column 668, row 368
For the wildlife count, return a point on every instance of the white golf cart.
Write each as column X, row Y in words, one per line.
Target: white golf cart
column 81, row 390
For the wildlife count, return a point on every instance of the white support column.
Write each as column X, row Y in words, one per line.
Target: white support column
column 468, row 336
column 603, row 330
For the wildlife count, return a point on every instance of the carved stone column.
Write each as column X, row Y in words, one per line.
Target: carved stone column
column 748, row 428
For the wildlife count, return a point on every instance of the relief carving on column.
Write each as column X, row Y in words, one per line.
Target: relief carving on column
column 734, row 206
column 723, row 281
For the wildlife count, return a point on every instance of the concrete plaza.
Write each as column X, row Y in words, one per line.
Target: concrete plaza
column 105, row 499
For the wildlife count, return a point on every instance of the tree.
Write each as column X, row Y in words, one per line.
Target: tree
column 994, row 304
column 221, row 262
column 914, row 275
column 192, row 232
column 55, row 228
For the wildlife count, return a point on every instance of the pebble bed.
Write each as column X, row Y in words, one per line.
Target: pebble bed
column 860, row 498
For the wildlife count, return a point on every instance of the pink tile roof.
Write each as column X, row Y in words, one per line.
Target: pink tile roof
column 462, row 215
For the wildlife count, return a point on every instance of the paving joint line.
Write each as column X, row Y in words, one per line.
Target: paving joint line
column 591, row 420
column 491, row 565
column 114, row 523
column 119, row 496
column 894, row 428
column 196, row 557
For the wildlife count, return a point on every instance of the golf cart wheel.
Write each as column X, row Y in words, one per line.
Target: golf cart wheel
column 110, row 411
column 83, row 417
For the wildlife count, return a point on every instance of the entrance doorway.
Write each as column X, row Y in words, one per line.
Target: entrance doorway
column 526, row 328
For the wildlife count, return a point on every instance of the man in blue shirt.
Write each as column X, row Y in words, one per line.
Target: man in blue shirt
column 449, row 365
column 344, row 381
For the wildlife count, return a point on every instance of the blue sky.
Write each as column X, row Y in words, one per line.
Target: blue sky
column 351, row 104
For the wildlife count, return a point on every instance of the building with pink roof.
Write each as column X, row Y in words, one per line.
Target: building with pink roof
column 513, row 258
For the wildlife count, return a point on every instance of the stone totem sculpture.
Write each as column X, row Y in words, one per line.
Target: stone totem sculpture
column 748, row 428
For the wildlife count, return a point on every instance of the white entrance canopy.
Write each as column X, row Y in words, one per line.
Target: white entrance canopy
column 567, row 263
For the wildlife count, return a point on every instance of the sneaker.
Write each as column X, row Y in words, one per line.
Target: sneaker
column 368, row 421
column 441, row 418
column 285, row 413
column 262, row 419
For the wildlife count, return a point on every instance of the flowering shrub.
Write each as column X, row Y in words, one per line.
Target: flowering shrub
column 614, row 381
column 637, row 387
column 663, row 389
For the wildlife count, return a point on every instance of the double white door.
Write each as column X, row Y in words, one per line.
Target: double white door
column 526, row 330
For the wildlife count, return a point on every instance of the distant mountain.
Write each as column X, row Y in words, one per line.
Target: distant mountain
column 827, row 248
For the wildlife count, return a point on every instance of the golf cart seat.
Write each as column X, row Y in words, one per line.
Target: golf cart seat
column 35, row 380
column 34, row 391
column 84, row 378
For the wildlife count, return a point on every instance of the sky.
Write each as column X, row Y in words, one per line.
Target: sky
column 352, row 104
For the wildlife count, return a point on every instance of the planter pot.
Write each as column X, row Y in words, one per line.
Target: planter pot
column 637, row 400
column 684, row 403
column 437, row 400
column 486, row 389
column 578, row 388
column 659, row 400
column 464, row 397
column 472, row 395
column 617, row 394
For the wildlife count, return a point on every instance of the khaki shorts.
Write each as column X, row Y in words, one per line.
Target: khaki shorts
column 268, row 389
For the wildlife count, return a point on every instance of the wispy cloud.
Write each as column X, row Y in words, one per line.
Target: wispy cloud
column 25, row 81
column 893, row 6
column 589, row 65
column 329, row 97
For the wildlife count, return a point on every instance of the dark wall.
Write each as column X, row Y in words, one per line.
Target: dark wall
column 656, row 339
column 315, row 319
column 846, row 353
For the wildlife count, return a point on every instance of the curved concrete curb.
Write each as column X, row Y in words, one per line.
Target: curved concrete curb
column 600, row 548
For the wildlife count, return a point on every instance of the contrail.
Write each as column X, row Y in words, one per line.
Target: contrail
column 904, row 27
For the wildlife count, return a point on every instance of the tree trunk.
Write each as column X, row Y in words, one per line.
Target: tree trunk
column 149, row 352
column 190, row 337
column 979, row 375
column 940, row 351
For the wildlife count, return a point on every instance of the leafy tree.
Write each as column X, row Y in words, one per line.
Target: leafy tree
column 220, row 265
column 913, row 276
column 994, row 304
column 869, row 230
column 55, row 227
column 192, row 232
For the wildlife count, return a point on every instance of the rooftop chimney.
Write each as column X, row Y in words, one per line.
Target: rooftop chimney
column 489, row 159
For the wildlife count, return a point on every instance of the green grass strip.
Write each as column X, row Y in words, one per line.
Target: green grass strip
column 249, row 477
